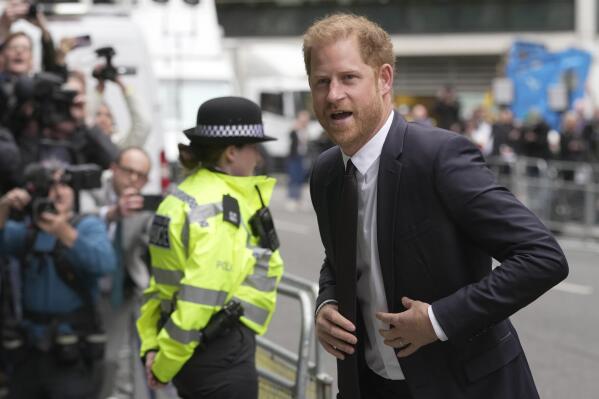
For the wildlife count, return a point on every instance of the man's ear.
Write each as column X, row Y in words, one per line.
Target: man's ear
column 113, row 167
column 385, row 79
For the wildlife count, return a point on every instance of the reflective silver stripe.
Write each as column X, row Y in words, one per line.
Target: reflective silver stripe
column 262, row 256
column 166, row 306
column 178, row 334
column 149, row 296
column 261, row 283
column 253, row 312
column 197, row 213
column 167, row 277
column 183, row 196
column 202, row 296
column 200, row 213
column 259, row 279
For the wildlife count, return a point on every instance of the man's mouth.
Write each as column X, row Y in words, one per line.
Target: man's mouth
column 340, row 115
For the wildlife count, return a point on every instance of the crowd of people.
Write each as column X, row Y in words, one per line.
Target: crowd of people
column 73, row 224
column 498, row 134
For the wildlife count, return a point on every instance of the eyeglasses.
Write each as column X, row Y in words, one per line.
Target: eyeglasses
column 18, row 47
column 133, row 172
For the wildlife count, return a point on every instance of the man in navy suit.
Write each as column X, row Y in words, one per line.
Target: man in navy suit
column 409, row 303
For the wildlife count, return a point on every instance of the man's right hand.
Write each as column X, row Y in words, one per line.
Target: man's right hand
column 151, row 380
column 17, row 198
column 335, row 332
column 128, row 203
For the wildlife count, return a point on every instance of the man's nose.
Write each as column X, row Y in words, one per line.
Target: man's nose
column 336, row 91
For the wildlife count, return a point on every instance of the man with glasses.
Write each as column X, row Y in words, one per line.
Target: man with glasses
column 120, row 204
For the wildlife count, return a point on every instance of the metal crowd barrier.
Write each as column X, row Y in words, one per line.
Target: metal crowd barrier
column 565, row 195
column 298, row 376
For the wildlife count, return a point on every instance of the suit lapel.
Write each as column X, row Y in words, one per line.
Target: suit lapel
column 388, row 202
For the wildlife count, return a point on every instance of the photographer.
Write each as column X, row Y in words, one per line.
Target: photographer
column 139, row 129
column 46, row 124
column 128, row 216
column 120, row 204
column 60, row 339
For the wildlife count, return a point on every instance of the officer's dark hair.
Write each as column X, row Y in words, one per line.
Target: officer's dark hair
column 204, row 155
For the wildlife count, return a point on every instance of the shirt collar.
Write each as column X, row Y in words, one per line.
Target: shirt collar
column 365, row 157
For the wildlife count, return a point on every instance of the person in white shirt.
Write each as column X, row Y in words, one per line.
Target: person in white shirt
column 408, row 301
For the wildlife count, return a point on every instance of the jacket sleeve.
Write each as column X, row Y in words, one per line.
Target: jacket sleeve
column 531, row 260
column 147, row 323
column 140, row 127
column 12, row 238
column 168, row 257
column 92, row 249
column 204, row 289
column 326, row 280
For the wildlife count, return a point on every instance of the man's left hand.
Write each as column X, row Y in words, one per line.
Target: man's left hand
column 58, row 225
column 410, row 330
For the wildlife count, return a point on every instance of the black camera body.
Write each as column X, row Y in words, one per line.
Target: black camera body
column 51, row 103
column 39, row 179
column 32, row 10
column 109, row 71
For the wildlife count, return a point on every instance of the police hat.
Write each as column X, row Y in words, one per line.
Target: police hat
column 228, row 120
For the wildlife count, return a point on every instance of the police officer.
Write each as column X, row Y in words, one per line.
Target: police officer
column 212, row 244
column 58, row 346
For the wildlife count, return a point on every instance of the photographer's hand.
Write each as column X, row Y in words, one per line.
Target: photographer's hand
column 14, row 10
column 58, row 225
column 17, row 198
column 128, row 203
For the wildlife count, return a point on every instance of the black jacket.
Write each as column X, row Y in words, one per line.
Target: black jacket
column 441, row 217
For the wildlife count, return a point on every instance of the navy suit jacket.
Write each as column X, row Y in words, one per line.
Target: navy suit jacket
column 441, row 217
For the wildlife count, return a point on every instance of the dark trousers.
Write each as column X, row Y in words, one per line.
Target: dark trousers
column 39, row 375
column 222, row 369
column 373, row 386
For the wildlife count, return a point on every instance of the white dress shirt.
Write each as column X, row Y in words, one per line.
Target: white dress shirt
column 370, row 288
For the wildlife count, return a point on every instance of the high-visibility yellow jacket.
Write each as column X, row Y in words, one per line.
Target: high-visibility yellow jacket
column 203, row 255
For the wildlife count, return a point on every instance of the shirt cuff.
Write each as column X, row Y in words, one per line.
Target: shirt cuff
column 322, row 304
column 436, row 326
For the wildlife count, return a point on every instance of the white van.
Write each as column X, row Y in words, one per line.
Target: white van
column 271, row 73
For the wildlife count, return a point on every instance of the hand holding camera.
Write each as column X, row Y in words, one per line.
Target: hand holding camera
column 15, row 10
column 17, row 199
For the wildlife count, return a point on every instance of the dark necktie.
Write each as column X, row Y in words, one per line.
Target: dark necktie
column 345, row 253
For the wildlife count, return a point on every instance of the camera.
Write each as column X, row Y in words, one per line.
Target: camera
column 39, row 178
column 109, row 71
column 51, row 103
column 32, row 11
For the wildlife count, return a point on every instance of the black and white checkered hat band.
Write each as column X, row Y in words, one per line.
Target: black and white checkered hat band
column 230, row 130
